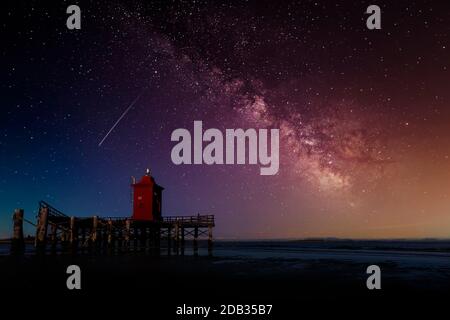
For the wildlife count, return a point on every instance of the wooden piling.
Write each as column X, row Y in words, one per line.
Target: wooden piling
column 176, row 237
column 41, row 229
column 104, row 236
column 196, row 240
column 182, row 240
column 73, row 235
column 83, row 238
column 210, row 240
column 65, row 235
column 127, row 233
column 17, row 243
column 53, row 236
column 120, row 238
column 169, row 240
column 135, row 237
column 143, row 238
column 94, row 232
column 110, row 234
column 157, row 235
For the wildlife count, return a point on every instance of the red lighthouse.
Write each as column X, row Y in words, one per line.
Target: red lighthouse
column 147, row 196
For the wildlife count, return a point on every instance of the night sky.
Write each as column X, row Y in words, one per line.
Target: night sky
column 364, row 115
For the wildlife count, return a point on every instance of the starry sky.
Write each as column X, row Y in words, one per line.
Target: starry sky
column 364, row 115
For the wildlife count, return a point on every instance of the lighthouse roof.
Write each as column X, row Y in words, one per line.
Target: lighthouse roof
column 148, row 180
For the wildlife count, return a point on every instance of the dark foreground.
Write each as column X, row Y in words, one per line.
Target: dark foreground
column 293, row 278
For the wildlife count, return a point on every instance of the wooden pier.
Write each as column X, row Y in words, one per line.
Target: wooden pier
column 56, row 231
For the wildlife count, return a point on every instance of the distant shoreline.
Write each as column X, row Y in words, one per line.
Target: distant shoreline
column 329, row 239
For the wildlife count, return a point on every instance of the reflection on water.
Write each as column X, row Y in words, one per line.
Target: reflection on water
column 302, row 249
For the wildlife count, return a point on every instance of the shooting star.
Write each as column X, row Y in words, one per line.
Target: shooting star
column 120, row 118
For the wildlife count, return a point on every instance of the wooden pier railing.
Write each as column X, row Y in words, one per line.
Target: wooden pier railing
column 202, row 219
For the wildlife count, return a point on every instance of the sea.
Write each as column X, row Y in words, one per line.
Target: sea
column 421, row 252
column 282, row 272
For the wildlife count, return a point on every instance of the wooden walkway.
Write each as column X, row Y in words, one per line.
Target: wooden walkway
column 59, row 232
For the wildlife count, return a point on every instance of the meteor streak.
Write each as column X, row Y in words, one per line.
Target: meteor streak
column 120, row 118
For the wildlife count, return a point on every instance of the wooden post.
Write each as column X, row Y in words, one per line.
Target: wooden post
column 41, row 229
column 176, row 237
column 143, row 238
column 73, row 236
column 53, row 235
column 151, row 237
column 105, row 236
column 94, row 234
column 120, row 237
column 210, row 240
column 135, row 237
column 127, row 233
column 196, row 240
column 169, row 240
column 110, row 233
column 65, row 235
column 83, row 237
column 182, row 240
column 18, row 243
column 158, row 239
column 99, row 235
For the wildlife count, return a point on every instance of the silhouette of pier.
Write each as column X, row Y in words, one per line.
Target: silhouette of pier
column 56, row 231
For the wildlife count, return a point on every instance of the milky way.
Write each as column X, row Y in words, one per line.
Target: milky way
column 363, row 115
column 328, row 147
